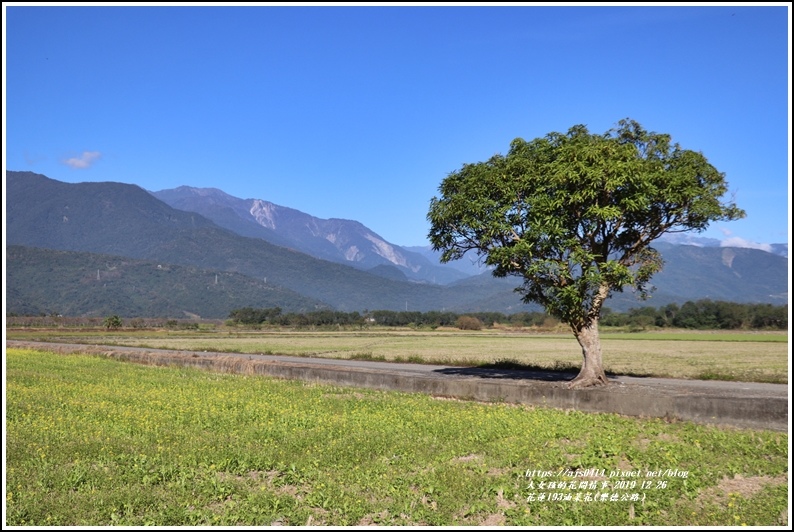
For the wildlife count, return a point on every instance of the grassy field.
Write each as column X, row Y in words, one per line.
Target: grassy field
column 93, row 441
column 736, row 356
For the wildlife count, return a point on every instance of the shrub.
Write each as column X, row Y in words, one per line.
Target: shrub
column 468, row 323
column 113, row 322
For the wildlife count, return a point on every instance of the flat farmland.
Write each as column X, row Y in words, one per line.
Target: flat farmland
column 737, row 356
column 92, row 441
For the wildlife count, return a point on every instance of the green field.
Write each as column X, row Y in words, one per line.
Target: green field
column 93, row 441
column 735, row 356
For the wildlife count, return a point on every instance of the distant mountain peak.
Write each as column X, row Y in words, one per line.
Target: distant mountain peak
column 335, row 239
column 264, row 213
column 690, row 239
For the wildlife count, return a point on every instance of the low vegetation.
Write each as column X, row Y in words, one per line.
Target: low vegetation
column 97, row 442
column 751, row 356
column 701, row 314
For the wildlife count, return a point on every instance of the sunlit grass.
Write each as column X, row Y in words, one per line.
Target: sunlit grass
column 93, row 441
column 735, row 356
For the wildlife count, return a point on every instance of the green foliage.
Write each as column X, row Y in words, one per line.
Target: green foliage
column 575, row 214
column 88, row 284
column 251, row 316
column 387, row 318
column 113, row 322
column 702, row 314
column 182, row 325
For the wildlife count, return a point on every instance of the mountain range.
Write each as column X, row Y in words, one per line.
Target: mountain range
column 343, row 241
column 97, row 248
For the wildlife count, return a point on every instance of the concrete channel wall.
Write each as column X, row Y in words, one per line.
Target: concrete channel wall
column 742, row 405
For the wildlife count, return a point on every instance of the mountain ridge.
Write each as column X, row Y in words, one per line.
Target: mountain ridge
column 335, row 239
column 125, row 220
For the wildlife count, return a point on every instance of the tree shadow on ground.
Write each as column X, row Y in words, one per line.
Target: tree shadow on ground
column 519, row 371
column 514, row 370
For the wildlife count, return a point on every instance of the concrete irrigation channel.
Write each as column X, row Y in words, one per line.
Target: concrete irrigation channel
column 737, row 404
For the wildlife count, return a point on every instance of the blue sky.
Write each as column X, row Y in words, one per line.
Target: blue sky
column 360, row 112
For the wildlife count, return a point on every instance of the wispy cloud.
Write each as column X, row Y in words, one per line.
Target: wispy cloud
column 83, row 161
column 738, row 242
column 729, row 241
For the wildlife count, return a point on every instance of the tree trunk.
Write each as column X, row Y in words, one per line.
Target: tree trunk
column 592, row 372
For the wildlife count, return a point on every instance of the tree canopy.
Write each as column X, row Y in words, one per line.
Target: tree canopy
column 575, row 215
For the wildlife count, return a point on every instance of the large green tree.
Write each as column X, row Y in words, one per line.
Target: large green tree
column 575, row 216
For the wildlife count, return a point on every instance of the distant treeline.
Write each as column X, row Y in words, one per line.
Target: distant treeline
column 388, row 318
column 702, row 314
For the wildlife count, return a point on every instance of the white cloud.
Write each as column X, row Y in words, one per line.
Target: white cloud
column 738, row 242
column 84, row 161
